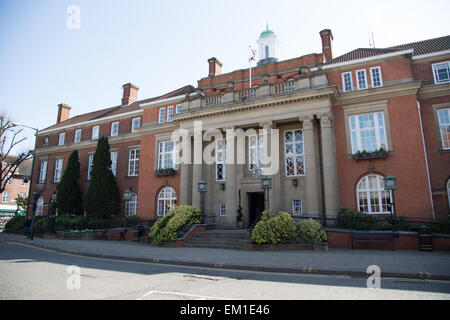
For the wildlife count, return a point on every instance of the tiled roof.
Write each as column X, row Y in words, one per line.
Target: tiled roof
column 419, row 47
column 117, row 110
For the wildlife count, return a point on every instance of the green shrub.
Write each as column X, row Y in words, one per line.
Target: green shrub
column 174, row 224
column 130, row 221
column 15, row 224
column 309, row 230
column 349, row 219
column 274, row 229
column 355, row 220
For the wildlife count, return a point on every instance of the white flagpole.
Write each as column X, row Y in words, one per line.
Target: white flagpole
column 250, row 65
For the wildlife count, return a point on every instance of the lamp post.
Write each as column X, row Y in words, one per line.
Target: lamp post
column 266, row 185
column 126, row 197
column 202, row 188
column 390, row 184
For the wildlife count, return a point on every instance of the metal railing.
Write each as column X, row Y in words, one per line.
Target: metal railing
column 252, row 226
column 385, row 222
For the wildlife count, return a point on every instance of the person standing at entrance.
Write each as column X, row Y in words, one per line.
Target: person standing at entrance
column 31, row 231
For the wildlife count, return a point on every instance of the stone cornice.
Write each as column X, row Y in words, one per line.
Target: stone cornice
column 47, row 150
column 383, row 92
column 436, row 90
column 155, row 128
column 298, row 96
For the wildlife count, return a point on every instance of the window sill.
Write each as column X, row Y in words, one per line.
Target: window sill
column 444, row 150
column 165, row 172
column 371, row 155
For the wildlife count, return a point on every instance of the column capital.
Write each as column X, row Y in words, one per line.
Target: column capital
column 229, row 127
column 307, row 121
column 197, row 135
column 326, row 119
column 266, row 124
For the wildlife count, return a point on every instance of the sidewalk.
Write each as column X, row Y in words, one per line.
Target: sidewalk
column 400, row 263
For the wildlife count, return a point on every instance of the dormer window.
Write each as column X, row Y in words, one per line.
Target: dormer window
column 162, row 115
column 347, row 83
column 95, row 132
column 62, row 137
column 441, row 72
column 375, row 75
column 114, row 129
column 362, row 79
column 77, row 137
column 136, row 123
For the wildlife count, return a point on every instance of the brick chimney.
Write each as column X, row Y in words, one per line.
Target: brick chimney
column 327, row 43
column 129, row 93
column 63, row 112
column 215, row 67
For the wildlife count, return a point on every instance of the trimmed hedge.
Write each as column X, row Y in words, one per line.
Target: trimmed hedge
column 309, row 230
column 356, row 220
column 15, row 224
column 174, row 224
column 62, row 223
column 274, row 229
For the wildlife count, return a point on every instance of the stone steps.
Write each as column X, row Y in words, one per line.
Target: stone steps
column 219, row 239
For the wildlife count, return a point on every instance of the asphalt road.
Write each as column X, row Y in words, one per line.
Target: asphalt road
column 30, row 273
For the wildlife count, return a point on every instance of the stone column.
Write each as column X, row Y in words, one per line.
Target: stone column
column 231, row 193
column 197, row 168
column 311, row 168
column 329, row 165
column 185, row 168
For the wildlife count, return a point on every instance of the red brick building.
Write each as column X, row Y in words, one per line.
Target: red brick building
column 17, row 185
column 344, row 123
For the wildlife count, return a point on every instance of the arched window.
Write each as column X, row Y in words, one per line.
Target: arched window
column 131, row 205
column 40, row 207
column 167, row 198
column 371, row 196
column 266, row 49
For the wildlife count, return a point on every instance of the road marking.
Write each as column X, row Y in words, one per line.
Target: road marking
column 192, row 296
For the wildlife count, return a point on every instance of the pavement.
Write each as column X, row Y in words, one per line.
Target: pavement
column 393, row 264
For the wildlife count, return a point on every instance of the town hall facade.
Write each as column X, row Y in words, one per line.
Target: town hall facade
column 332, row 127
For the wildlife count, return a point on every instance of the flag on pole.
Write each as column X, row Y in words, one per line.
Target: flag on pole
column 252, row 55
column 252, row 58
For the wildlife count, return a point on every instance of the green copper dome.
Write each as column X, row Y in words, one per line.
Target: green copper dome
column 266, row 33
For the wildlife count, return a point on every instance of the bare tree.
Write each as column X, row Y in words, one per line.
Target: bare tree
column 9, row 139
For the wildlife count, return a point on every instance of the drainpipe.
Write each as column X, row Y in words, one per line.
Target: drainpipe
column 426, row 160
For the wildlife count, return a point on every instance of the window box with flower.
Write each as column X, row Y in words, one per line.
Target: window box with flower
column 165, row 172
column 377, row 154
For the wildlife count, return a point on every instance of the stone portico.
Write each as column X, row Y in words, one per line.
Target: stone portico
column 307, row 108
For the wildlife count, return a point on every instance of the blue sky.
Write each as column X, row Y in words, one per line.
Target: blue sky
column 163, row 45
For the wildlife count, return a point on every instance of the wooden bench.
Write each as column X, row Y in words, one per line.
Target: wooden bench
column 373, row 236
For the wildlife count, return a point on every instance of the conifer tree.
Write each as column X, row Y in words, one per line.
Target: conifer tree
column 102, row 198
column 69, row 199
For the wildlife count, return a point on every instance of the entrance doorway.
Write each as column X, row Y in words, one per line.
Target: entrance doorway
column 255, row 206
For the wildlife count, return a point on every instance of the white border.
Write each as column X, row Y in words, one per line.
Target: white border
column 365, row 79
column 343, row 81
column 371, row 77
column 434, row 73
